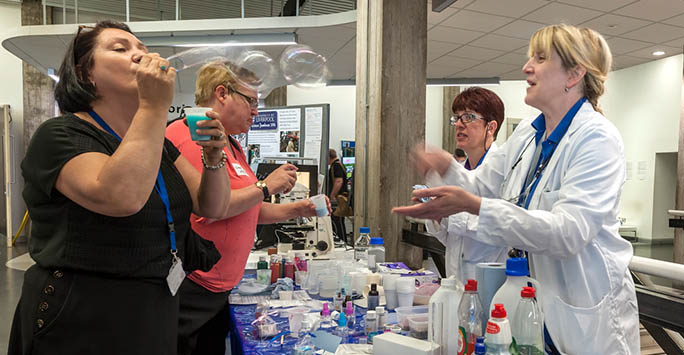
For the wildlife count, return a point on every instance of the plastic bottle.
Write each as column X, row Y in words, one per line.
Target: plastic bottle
column 516, row 278
column 480, row 347
column 337, row 301
column 275, row 269
column 361, row 245
column 528, row 324
column 377, row 248
column 342, row 330
column 304, row 345
column 498, row 339
column 443, row 324
column 382, row 318
column 262, row 264
column 370, row 322
column 326, row 321
column 349, row 313
column 373, row 297
column 470, row 314
column 289, row 268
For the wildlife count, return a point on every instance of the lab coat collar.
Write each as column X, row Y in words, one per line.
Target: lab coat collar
column 539, row 123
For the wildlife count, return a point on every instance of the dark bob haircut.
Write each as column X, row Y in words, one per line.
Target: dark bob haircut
column 483, row 101
column 74, row 92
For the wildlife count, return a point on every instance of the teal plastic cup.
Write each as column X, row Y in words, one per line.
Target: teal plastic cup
column 194, row 115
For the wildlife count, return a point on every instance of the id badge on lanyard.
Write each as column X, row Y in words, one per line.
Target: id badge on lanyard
column 176, row 272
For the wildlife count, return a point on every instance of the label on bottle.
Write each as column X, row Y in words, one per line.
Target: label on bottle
column 493, row 328
column 462, row 344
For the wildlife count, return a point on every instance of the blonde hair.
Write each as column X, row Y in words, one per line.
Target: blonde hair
column 575, row 46
column 213, row 74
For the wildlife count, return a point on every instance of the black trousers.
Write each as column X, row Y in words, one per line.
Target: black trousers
column 203, row 321
column 73, row 312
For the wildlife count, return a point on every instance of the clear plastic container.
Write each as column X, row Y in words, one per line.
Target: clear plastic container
column 418, row 326
column 377, row 248
column 404, row 312
column 528, row 324
column 328, row 286
column 362, row 244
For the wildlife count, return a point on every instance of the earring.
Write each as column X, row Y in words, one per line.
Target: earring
column 567, row 89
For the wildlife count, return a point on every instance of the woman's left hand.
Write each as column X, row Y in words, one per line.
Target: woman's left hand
column 446, row 200
column 213, row 148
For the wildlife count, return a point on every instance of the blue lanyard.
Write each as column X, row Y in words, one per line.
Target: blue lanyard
column 548, row 147
column 467, row 163
column 159, row 186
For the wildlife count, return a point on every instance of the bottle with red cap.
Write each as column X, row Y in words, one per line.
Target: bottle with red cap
column 470, row 315
column 498, row 338
column 528, row 324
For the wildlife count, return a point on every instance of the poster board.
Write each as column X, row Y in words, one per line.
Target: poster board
column 291, row 131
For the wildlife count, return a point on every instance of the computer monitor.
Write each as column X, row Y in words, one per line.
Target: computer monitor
column 307, row 175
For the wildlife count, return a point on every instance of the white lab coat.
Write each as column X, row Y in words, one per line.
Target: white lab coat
column 570, row 231
column 457, row 233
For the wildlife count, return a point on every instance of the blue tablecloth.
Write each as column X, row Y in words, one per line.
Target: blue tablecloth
column 244, row 339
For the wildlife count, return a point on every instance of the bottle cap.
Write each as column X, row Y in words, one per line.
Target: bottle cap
column 371, row 314
column 272, row 251
column 364, row 230
column 342, row 321
column 528, row 292
column 499, row 311
column 380, row 310
column 471, row 285
column 480, row 348
column 376, row 241
column 517, row 267
column 479, row 340
column 326, row 310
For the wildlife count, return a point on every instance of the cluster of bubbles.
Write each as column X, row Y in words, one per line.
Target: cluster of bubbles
column 298, row 65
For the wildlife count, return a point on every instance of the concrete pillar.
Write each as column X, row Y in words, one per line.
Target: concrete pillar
column 39, row 89
column 277, row 97
column 448, row 138
column 678, row 248
column 391, row 52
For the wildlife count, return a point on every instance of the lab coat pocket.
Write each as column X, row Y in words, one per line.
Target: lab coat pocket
column 547, row 199
column 579, row 330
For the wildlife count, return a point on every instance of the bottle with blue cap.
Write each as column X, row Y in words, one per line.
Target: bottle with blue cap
column 376, row 253
column 480, row 347
column 516, row 278
column 362, row 244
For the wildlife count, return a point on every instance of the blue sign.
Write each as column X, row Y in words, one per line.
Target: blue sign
column 267, row 120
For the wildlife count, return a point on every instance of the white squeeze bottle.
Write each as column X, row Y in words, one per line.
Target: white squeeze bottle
column 516, row 278
column 443, row 323
column 498, row 338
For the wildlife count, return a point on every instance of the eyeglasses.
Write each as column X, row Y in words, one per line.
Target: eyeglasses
column 252, row 101
column 81, row 29
column 465, row 118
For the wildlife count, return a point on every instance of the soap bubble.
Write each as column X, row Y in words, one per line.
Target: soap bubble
column 299, row 65
column 303, row 67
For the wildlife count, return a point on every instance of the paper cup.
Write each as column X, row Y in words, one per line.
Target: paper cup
column 320, row 204
column 194, row 115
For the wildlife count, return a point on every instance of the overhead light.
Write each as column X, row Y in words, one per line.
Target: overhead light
column 435, row 82
column 51, row 74
column 250, row 40
column 658, row 53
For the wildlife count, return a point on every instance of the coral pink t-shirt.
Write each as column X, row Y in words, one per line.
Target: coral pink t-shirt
column 234, row 236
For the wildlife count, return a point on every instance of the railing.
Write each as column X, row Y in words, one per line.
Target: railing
column 85, row 11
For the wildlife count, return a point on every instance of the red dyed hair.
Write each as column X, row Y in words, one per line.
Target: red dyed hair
column 482, row 101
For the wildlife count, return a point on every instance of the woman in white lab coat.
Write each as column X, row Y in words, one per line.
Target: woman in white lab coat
column 478, row 115
column 553, row 190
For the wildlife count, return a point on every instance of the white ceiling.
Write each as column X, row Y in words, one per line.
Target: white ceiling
column 488, row 38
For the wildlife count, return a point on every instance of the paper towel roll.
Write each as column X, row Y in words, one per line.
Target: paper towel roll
column 489, row 276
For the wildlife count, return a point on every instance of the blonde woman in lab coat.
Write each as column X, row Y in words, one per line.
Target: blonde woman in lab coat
column 478, row 115
column 553, row 190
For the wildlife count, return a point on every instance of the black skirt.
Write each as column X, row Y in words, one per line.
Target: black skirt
column 69, row 312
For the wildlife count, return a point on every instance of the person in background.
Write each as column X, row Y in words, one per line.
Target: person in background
column 553, row 191
column 460, row 155
column 337, row 185
column 478, row 115
column 204, row 320
column 110, row 201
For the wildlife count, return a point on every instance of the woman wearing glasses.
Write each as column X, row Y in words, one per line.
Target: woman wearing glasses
column 553, row 191
column 110, row 200
column 204, row 319
column 478, row 114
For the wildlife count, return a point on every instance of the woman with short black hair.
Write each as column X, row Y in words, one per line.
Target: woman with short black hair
column 110, row 201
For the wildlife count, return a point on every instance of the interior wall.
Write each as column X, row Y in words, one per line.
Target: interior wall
column 11, row 92
column 644, row 102
column 664, row 191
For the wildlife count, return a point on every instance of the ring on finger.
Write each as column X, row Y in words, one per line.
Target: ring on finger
column 219, row 137
column 163, row 67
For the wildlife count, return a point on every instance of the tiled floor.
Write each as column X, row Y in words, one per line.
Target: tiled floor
column 10, row 290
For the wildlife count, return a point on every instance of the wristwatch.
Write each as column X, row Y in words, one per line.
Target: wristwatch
column 262, row 185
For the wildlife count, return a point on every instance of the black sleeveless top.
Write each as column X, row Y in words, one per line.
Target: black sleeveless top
column 66, row 235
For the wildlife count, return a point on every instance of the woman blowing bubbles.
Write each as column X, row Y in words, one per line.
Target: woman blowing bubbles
column 553, row 190
column 110, row 201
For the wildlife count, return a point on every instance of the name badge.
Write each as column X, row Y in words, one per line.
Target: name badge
column 176, row 276
column 239, row 170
